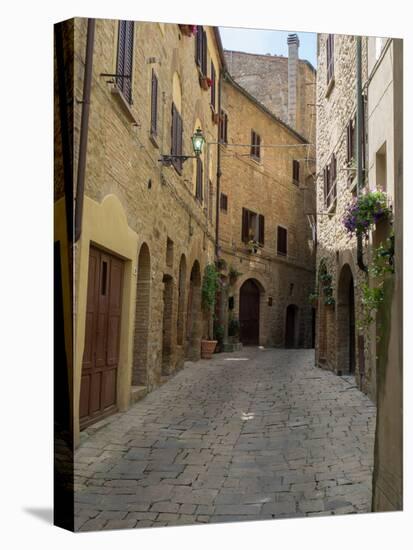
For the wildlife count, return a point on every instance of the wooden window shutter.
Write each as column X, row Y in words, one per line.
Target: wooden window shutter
column 349, row 141
column 296, row 171
column 281, row 241
column 261, row 229
column 325, row 185
column 204, row 65
column 226, row 128
column 258, row 145
column 125, row 59
column 245, row 225
column 154, row 104
column 198, row 45
column 224, row 202
column 213, row 85
column 199, row 176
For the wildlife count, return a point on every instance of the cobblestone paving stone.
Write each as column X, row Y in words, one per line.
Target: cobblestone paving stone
column 230, row 440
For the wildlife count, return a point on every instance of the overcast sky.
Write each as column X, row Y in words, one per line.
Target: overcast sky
column 265, row 41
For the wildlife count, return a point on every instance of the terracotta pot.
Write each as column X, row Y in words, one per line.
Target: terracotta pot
column 203, row 80
column 185, row 30
column 208, row 348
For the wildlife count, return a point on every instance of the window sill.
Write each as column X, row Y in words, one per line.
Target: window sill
column 257, row 160
column 332, row 208
column 330, row 86
column 124, row 104
column 153, row 140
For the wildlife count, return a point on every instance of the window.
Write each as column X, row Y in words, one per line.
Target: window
column 330, row 57
column 281, row 241
column 169, row 252
column 296, row 172
column 223, row 127
column 176, row 138
column 154, row 104
column 252, row 227
column 330, row 182
column 199, row 175
column 211, row 199
column 201, row 49
column 124, row 59
column 213, row 78
column 224, row 202
column 255, row 145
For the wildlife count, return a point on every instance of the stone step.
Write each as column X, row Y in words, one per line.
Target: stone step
column 137, row 393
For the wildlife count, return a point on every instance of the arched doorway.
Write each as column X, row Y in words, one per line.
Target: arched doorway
column 249, row 313
column 193, row 316
column 291, row 326
column 143, row 287
column 346, row 329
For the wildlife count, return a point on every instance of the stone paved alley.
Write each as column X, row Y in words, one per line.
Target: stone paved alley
column 250, row 435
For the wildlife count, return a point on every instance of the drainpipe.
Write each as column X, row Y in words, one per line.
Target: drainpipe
column 360, row 114
column 84, row 128
column 218, row 167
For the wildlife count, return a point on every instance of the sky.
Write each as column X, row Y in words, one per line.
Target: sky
column 266, row 41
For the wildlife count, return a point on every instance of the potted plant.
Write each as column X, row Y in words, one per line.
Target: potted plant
column 209, row 290
column 313, row 299
column 205, row 82
column 188, row 30
column 365, row 211
column 253, row 246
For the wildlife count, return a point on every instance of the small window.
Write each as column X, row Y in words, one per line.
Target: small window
column 224, row 202
column 223, row 127
column 281, row 241
column 199, row 176
column 255, row 145
column 330, row 57
column 296, row 172
column 154, row 104
column 169, row 252
column 252, row 227
column 125, row 59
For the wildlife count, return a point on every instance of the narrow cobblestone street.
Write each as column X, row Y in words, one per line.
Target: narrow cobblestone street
column 250, row 435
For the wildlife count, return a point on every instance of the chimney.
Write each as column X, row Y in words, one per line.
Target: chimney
column 293, row 45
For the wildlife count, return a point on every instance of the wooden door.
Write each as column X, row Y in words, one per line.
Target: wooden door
column 101, row 351
column 290, row 327
column 249, row 313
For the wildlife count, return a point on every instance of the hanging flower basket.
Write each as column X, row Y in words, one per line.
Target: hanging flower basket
column 365, row 211
column 188, row 30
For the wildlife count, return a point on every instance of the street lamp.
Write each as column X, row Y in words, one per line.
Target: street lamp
column 198, row 141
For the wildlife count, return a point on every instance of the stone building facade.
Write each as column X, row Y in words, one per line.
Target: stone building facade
column 147, row 227
column 345, row 342
column 339, row 346
column 263, row 200
column 285, row 85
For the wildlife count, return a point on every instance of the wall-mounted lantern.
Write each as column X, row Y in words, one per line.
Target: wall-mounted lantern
column 198, row 141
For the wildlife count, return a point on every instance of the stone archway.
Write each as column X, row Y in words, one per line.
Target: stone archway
column 346, row 331
column 143, row 288
column 194, row 314
column 249, row 312
column 291, row 326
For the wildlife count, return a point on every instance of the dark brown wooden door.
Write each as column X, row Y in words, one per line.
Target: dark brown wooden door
column 101, row 352
column 249, row 313
column 290, row 327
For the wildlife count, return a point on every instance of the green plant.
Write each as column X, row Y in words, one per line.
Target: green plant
column 313, row 297
column 364, row 211
column 218, row 332
column 233, row 274
column 325, row 281
column 233, row 327
column 210, row 286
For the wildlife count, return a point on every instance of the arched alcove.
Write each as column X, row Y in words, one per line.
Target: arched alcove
column 194, row 315
column 142, row 317
column 346, row 331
